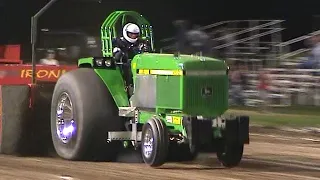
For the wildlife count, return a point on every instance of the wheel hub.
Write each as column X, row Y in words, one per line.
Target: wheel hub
column 148, row 144
column 65, row 123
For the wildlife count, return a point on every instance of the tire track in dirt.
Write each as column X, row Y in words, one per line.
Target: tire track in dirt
column 264, row 158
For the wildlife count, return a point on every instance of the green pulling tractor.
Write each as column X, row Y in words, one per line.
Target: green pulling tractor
column 176, row 108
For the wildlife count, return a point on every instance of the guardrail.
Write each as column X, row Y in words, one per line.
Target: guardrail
column 294, row 53
column 259, row 27
column 285, row 49
column 217, row 24
column 250, row 38
column 288, row 87
column 245, row 38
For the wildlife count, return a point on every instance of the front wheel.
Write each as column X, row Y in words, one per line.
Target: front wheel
column 229, row 155
column 154, row 142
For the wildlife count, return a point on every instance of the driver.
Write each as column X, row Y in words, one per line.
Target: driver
column 126, row 47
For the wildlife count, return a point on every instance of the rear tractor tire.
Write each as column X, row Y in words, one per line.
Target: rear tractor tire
column 82, row 113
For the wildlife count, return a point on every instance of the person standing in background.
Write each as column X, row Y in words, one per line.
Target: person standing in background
column 313, row 60
column 237, row 84
column 50, row 59
column 263, row 88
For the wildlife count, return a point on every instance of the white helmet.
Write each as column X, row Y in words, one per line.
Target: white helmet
column 131, row 32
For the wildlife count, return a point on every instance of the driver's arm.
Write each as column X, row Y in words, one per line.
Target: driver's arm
column 117, row 51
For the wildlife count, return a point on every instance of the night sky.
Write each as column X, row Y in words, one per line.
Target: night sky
column 15, row 14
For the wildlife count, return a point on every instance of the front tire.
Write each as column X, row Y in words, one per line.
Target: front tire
column 82, row 113
column 229, row 155
column 154, row 142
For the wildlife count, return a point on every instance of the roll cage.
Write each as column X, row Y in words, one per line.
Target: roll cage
column 109, row 29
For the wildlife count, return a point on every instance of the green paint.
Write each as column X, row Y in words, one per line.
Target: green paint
column 175, row 127
column 144, row 116
column 126, row 144
column 184, row 93
column 168, row 92
column 168, row 61
column 85, row 61
column 114, row 81
column 194, row 103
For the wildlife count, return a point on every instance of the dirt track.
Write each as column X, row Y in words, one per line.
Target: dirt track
column 267, row 157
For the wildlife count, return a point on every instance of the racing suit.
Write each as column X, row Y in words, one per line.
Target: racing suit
column 124, row 52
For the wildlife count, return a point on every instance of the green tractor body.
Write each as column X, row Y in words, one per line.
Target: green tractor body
column 187, row 84
column 178, row 101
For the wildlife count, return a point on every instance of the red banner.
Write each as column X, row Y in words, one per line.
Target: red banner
column 14, row 74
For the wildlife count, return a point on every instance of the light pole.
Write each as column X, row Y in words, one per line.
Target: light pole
column 34, row 27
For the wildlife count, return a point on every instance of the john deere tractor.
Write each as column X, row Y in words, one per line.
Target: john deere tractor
column 176, row 109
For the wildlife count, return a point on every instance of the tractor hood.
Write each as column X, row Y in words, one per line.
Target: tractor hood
column 191, row 84
column 182, row 62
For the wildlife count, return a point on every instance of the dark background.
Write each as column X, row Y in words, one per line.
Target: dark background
column 15, row 14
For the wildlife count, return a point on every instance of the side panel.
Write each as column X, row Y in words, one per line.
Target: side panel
column 205, row 88
column 205, row 95
column 169, row 92
column 114, row 81
column 145, row 88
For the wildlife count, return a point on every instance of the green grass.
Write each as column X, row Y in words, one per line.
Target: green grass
column 296, row 110
column 289, row 116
